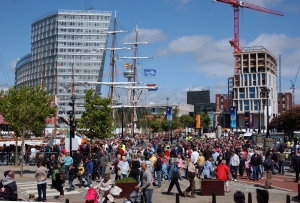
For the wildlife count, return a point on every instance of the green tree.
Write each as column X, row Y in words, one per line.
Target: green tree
column 204, row 119
column 96, row 121
column 26, row 110
column 289, row 121
column 155, row 126
column 165, row 125
column 187, row 121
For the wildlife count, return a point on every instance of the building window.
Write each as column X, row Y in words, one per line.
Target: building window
column 252, row 92
column 242, row 93
column 246, row 105
column 241, row 105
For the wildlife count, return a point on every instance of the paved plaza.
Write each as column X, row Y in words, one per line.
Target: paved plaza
column 27, row 185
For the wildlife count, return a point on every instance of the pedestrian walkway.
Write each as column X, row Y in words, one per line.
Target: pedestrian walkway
column 26, row 188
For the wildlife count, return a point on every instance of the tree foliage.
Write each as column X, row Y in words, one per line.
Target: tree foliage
column 155, row 126
column 204, row 119
column 26, row 110
column 96, row 120
column 289, row 121
column 187, row 121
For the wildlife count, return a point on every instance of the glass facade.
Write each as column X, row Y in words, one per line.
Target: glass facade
column 62, row 40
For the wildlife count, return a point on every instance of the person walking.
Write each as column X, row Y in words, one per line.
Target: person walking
column 222, row 172
column 103, row 163
column 72, row 176
column 281, row 160
column 255, row 163
column 68, row 160
column 88, row 169
column 268, row 167
column 41, row 174
column 158, row 170
column 296, row 165
column 173, row 176
column 145, row 185
column 234, row 163
column 60, row 179
column 191, row 178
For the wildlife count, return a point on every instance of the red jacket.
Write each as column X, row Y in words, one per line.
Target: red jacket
column 222, row 172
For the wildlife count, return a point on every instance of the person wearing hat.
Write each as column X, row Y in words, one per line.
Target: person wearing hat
column 173, row 176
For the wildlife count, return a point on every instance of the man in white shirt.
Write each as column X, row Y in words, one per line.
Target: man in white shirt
column 195, row 155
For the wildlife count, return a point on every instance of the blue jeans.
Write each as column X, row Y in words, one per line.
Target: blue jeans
column 255, row 172
column 233, row 170
column 148, row 195
column 42, row 189
column 102, row 171
column 88, row 179
column 67, row 172
column 123, row 176
column 281, row 167
column 71, row 184
column 158, row 174
column 262, row 171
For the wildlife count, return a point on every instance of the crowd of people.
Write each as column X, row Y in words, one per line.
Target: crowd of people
column 151, row 160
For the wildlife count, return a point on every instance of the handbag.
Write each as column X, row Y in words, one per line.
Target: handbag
column 119, row 172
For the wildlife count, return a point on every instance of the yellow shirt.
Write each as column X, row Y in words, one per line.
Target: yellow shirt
column 201, row 160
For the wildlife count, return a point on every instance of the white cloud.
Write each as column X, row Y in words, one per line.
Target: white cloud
column 212, row 57
column 265, row 3
column 12, row 65
column 146, row 34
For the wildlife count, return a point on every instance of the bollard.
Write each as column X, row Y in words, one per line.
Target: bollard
column 177, row 198
column 213, row 198
column 249, row 197
column 288, row 199
column 67, row 200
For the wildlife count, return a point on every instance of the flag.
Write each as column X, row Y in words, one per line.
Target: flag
column 149, row 72
column 154, row 87
column 127, row 65
column 169, row 113
column 58, row 64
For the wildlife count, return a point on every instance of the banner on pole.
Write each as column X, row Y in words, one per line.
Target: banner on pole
column 233, row 117
column 198, row 121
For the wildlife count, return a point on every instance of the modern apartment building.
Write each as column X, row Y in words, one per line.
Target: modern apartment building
column 66, row 43
column 255, row 70
column 285, row 102
column 222, row 110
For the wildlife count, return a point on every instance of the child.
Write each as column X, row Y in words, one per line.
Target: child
column 80, row 174
column 126, row 199
column 248, row 167
column 31, row 198
column 71, row 177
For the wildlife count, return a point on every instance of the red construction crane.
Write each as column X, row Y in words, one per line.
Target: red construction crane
column 236, row 4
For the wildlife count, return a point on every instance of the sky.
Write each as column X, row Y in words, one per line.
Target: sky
column 188, row 38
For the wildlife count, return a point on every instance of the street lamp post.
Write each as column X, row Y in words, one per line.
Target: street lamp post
column 259, row 101
column 122, row 135
column 267, row 91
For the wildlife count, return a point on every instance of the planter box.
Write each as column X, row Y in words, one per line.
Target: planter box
column 208, row 187
column 127, row 189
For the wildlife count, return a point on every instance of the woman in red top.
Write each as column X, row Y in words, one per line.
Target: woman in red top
column 222, row 173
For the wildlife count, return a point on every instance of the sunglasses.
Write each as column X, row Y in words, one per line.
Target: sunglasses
column 239, row 197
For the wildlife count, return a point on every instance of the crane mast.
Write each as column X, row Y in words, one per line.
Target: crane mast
column 293, row 87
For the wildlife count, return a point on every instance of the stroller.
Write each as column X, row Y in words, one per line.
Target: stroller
column 165, row 171
column 136, row 196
